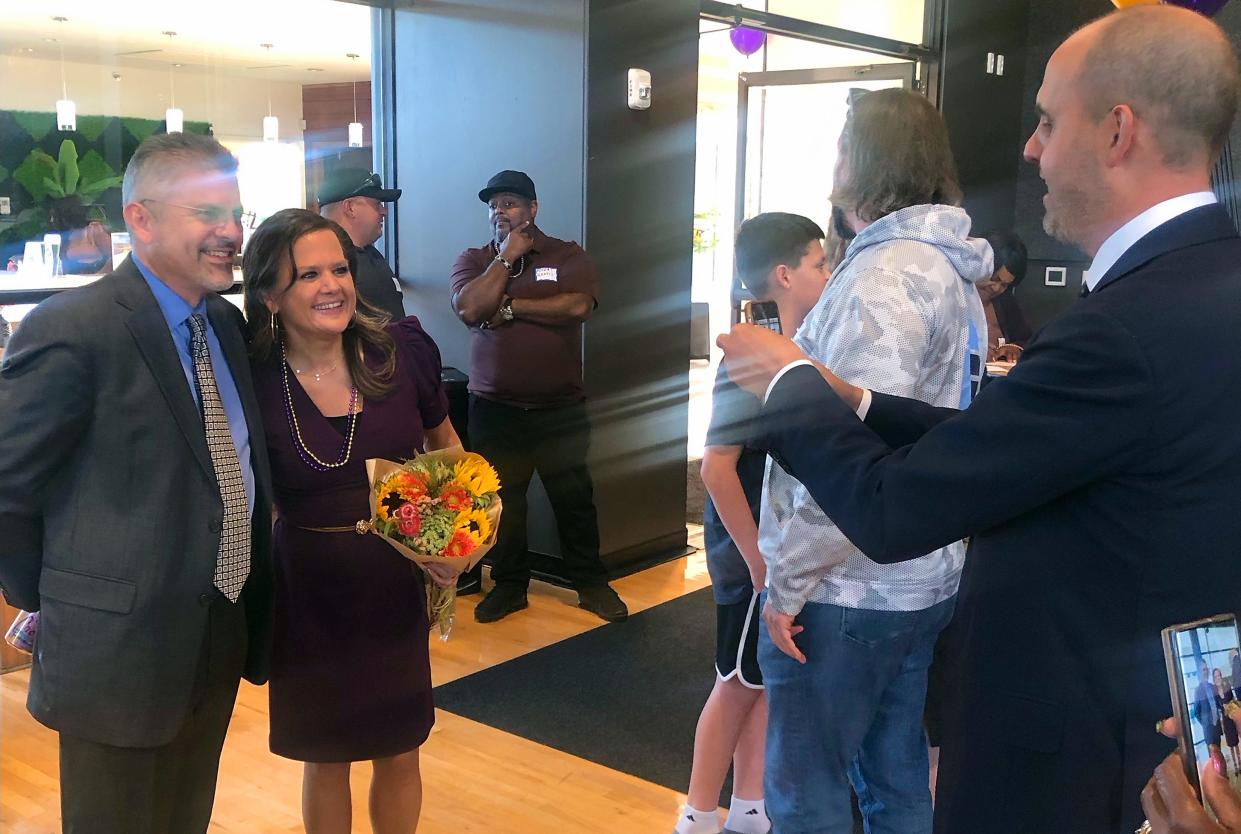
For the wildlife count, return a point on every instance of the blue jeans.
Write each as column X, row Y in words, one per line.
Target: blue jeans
column 852, row 715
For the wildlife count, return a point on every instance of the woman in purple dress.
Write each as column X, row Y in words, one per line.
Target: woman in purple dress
column 350, row 676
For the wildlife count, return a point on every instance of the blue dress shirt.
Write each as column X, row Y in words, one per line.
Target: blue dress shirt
column 176, row 312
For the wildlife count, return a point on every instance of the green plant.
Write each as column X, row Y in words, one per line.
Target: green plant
column 61, row 187
column 63, row 177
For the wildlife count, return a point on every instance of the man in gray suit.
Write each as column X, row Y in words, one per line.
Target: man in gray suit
column 134, row 504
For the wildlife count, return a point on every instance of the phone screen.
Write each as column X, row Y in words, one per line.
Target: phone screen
column 1204, row 662
column 763, row 313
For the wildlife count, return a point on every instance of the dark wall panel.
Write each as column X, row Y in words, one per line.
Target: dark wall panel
column 1050, row 22
column 639, row 228
column 983, row 110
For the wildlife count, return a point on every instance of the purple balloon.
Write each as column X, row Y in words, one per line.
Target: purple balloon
column 747, row 41
column 1207, row 7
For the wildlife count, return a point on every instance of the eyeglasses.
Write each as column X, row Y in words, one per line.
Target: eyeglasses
column 214, row 216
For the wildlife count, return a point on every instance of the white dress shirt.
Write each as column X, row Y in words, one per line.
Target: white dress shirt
column 1139, row 227
column 863, row 406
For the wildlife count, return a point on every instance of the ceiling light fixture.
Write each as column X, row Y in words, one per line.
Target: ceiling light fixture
column 174, row 117
column 355, row 127
column 66, row 110
column 271, row 125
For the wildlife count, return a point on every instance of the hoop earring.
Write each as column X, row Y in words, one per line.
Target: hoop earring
column 275, row 329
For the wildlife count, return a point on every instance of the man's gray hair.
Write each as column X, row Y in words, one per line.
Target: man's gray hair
column 1178, row 73
column 158, row 154
column 331, row 210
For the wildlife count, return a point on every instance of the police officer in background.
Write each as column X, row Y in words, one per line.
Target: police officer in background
column 355, row 199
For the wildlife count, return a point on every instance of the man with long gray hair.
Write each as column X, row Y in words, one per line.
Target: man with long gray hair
column 901, row 313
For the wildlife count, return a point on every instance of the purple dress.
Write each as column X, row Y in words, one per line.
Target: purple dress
column 350, row 672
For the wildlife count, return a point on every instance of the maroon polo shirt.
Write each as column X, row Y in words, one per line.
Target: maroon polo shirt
column 522, row 363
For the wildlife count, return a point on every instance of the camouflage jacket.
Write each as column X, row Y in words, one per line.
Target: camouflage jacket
column 899, row 315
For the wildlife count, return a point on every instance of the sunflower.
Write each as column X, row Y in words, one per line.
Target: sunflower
column 475, row 523
column 387, row 499
column 477, row 475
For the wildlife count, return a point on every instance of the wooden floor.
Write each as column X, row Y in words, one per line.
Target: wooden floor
column 476, row 778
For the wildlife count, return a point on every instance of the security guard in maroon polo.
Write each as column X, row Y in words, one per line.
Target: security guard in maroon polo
column 524, row 296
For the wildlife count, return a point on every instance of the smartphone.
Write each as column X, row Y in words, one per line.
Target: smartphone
column 1202, row 703
column 763, row 313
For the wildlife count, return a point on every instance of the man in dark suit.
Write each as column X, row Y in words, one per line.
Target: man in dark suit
column 1119, row 422
column 134, row 504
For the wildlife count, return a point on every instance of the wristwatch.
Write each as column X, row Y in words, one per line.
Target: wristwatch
column 506, row 310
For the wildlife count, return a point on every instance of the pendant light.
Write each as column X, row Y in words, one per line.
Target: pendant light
column 174, row 117
column 66, row 110
column 271, row 125
column 355, row 127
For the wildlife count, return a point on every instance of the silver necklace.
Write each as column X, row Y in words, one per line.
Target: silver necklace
column 319, row 375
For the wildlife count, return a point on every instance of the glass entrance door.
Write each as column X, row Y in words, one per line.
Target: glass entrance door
column 788, row 123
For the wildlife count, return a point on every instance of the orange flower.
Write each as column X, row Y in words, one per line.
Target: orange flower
column 409, row 486
column 456, row 498
column 460, row 545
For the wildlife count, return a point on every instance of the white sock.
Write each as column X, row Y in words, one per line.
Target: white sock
column 747, row 817
column 693, row 821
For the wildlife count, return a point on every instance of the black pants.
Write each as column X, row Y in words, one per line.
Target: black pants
column 553, row 442
column 168, row 789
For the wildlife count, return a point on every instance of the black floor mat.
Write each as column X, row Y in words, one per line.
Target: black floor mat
column 626, row 696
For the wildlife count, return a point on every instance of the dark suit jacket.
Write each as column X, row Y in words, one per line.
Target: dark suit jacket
column 110, row 513
column 1100, row 484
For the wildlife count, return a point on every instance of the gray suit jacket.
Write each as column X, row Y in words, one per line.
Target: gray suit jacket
column 110, row 514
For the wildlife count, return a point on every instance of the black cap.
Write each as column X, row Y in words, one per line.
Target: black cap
column 510, row 182
column 344, row 183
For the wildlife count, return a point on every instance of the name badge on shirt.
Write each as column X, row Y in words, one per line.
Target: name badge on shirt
column 545, row 273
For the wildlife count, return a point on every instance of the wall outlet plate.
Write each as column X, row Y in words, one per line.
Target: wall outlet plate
column 1056, row 276
column 6, row 207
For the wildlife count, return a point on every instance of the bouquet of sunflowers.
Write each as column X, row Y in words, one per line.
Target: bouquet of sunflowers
column 439, row 507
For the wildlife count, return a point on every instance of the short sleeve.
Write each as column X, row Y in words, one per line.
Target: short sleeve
column 466, row 268
column 733, row 412
column 578, row 274
column 420, row 362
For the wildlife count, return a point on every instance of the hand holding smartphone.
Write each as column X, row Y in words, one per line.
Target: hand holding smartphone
column 763, row 313
column 1201, row 658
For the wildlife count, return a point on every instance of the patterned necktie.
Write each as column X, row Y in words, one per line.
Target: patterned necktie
column 232, row 564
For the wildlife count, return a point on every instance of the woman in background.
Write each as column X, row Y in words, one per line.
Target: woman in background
column 1224, row 696
column 85, row 243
